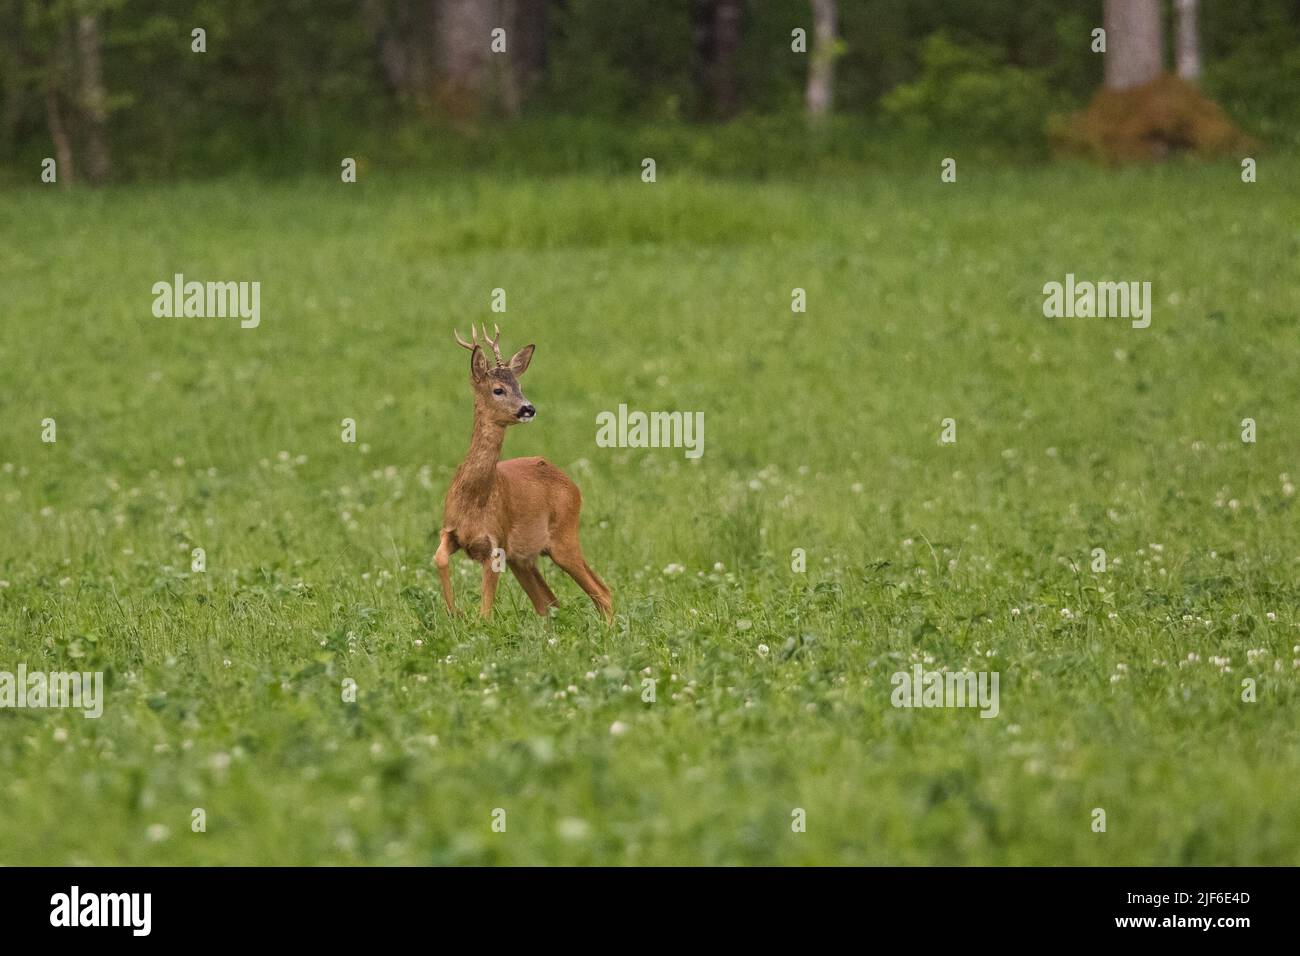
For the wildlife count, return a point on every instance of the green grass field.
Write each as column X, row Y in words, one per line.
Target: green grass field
column 1120, row 690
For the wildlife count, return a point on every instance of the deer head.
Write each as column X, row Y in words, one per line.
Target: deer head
column 497, row 397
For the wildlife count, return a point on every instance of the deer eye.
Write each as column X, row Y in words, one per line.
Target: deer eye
column 498, row 391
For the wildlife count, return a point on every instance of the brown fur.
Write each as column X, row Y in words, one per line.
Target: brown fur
column 525, row 506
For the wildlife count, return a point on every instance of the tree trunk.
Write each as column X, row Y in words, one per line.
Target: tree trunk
column 65, row 170
column 1134, row 54
column 94, row 101
column 388, row 43
column 820, row 93
column 526, row 23
column 1189, row 43
column 464, row 37
column 12, row 96
column 403, row 33
column 57, row 77
column 439, row 51
column 717, row 42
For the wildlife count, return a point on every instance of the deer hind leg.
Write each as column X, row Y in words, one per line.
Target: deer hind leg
column 446, row 548
column 529, row 576
column 569, row 557
column 490, row 580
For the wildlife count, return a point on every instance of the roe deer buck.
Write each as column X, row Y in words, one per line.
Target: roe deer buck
column 525, row 507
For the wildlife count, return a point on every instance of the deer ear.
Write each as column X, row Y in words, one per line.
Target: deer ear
column 519, row 362
column 478, row 367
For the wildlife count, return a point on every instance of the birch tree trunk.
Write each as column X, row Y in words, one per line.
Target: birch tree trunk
column 1189, row 42
column 820, row 93
column 1133, row 43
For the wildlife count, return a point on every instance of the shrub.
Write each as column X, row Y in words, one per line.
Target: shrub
column 966, row 89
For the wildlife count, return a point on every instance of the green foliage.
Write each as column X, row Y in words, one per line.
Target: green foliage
column 966, row 90
column 612, row 59
column 290, row 87
column 1259, row 82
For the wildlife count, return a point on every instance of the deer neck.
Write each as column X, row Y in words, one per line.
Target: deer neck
column 478, row 472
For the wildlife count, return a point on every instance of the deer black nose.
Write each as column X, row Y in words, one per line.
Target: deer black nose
column 526, row 411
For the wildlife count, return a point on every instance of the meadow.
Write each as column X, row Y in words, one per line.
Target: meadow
column 1121, row 689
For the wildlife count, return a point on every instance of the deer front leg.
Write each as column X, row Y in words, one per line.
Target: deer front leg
column 446, row 548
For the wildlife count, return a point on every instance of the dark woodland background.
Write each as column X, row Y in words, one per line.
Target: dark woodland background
column 113, row 89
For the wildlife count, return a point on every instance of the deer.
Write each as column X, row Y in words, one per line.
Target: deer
column 521, row 508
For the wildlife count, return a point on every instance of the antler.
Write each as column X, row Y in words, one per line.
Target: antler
column 493, row 342
column 474, row 344
column 467, row 345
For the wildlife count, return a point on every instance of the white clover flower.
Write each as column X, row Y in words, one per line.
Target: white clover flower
column 571, row 828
